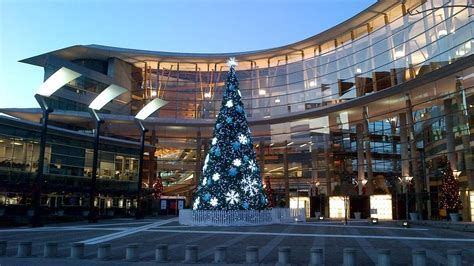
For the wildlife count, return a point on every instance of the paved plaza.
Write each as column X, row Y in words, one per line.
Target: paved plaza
column 332, row 236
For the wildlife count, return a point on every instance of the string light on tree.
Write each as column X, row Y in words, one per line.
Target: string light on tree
column 230, row 179
column 450, row 199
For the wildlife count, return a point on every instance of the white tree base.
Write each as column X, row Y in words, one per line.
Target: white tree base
column 241, row 218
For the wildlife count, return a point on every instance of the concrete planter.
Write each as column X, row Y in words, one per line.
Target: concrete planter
column 357, row 215
column 317, row 215
column 454, row 217
column 413, row 216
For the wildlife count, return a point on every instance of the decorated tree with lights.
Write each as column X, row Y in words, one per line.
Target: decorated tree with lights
column 269, row 193
column 450, row 199
column 230, row 178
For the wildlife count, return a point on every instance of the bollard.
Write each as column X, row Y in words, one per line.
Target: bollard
column 284, row 255
column 24, row 249
column 51, row 250
column 190, row 255
column 454, row 257
column 419, row 257
column 383, row 258
column 220, row 254
column 131, row 253
column 77, row 251
column 161, row 253
column 251, row 255
column 103, row 251
column 316, row 257
column 3, row 248
column 349, row 257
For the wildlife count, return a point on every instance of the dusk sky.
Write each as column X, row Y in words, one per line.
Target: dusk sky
column 33, row 27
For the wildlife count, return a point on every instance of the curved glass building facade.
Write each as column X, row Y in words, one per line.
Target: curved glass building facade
column 348, row 112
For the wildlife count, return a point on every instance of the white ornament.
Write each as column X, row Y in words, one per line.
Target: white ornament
column 237, row 162
column 243, row 139
column 252, row 166
column 232, row 62
column 214, row 202
column 238, row 91
column 205, row 162
column 216, row 176
column 250, row 185
column 204, row 181
column 229, row 104
column 232, row 197
column 214, row 141
column 196, row 204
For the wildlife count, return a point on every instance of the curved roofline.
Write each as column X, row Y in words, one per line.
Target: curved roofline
column 101, row 51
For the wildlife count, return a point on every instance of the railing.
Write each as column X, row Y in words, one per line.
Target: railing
column 241, row 217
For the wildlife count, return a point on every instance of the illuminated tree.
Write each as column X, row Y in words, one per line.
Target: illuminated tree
column 269, row 193
column 450, row 199
column 230, row 177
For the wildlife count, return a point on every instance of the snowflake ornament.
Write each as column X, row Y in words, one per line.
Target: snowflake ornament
column 252, row 166
column 204, row 181
column 229, row 104
column 232, row 197
column 237, row 162
column 216, row 176
column 214, row 141
column 243, row 139
column 196, row 204
column 214, row 202
column 250, row 186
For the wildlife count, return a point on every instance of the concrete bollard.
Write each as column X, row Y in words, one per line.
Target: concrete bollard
column 51, row 250
column 190, row 255
column 349, row 257
column 103, row 251
column 284, row 255
column 454, row 257
column 383, row 257
column 419, row 257
column 220, row 254
column 24, row 249
column 316, row 257
column 161, row 253
column 77, row 251
column 3, row 248
column 131, row 253
column 251, row 255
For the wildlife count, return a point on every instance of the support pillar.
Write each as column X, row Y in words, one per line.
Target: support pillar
column 368, row 153
column 360, row 156
column 286, row 177
column 414, row 159
column 450, row 141
column 197, row 169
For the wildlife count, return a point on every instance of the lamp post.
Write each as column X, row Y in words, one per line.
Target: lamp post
column 50, row 86
column 144, row 113
column 405, row 181
column 107, row 95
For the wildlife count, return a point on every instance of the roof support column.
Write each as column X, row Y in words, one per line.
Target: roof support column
column 368, row 153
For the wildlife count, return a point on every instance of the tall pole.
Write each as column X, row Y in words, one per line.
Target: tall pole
column 92, row 214
column 35, row 219
column 406, row 200
column 143, row 131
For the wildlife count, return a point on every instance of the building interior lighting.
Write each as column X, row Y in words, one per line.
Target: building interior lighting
column 110, row 93
column 442, row 33
column 399, row 54
column 56, row 81
column 271, row 144
column 456, row 173
column 290, row 143
column 302, row 145
column 262, row 92
column 151, row 107
column 381, row 207
column 207, row 95
column 277, row 100
column 153, row 93
column 312, row 83
column 358, row 70
column 267, row 116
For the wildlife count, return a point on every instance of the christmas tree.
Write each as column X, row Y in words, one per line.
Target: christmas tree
column 450, row 199
column 269, row 193
column 230, row 177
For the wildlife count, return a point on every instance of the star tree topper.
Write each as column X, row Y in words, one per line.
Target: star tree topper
column 232, row 62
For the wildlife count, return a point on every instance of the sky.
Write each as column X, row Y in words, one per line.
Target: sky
column 33, row 27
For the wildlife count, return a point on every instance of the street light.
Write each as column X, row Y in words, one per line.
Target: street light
column 405, row 181
column 144, row 113
column 50, row 86
column 107, row 95
column 456, row 174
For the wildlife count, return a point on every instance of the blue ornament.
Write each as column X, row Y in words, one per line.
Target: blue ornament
column 236, row 145
column 233, row 171
column 246, row 205
column 218, row 125
column 207, row 197
column 217, row 151
column 239, row 109
column 246, row 158
column 229, row 120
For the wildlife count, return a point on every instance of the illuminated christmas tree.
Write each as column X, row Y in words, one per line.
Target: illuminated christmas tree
column 269, row 193
column 230, row 177
column 450, row 199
